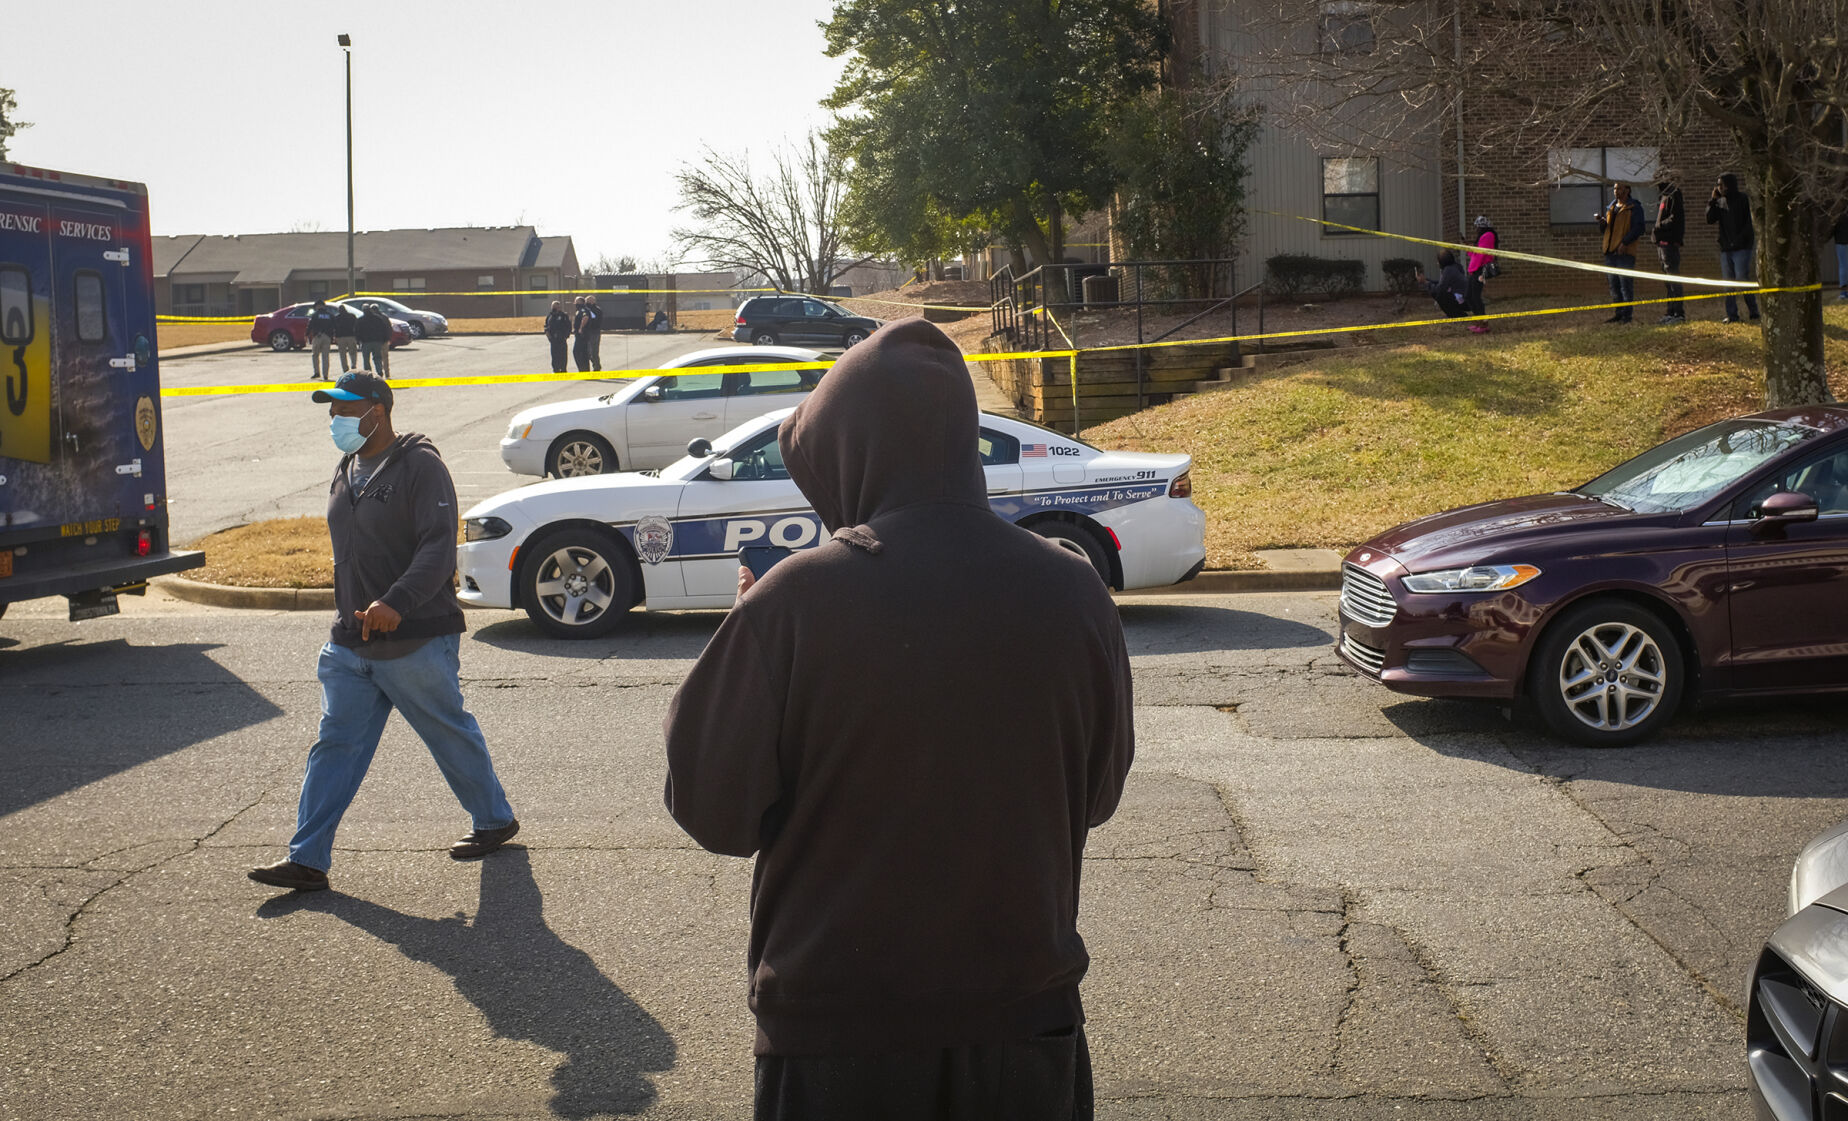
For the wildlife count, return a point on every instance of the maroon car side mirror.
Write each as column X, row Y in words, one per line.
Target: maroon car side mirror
column 1786, row 507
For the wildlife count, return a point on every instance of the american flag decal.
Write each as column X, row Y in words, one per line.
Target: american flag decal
column 1033, row 451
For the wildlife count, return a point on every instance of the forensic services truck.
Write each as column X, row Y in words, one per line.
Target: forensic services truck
column 83, row 502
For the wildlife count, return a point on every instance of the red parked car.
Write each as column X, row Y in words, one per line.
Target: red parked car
column 287, row 328
column 1713, row 565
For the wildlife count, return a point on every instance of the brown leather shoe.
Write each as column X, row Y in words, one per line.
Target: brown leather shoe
column 481, row 842
column 287, row 873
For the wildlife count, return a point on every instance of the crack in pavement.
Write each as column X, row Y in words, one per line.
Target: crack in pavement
column 83, row 908
column 1652, row 874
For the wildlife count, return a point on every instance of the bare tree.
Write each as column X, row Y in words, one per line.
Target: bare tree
column 785, row 226
column 1547, row 75
column 611, row 263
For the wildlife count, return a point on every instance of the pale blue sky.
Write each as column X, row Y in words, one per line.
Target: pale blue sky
column 571, row 118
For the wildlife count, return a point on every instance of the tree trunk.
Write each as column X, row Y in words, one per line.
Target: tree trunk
column 1787, row 249
column 1027, row 229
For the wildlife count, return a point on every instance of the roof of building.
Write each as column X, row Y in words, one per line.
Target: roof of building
column 270, row 259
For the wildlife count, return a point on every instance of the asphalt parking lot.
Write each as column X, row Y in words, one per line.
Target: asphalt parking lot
column 238, row 459
column 1319, row 899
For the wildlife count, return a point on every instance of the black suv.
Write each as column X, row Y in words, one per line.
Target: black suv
column 799, row 320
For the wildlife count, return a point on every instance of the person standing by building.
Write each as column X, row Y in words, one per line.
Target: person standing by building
column 321, row 338
column 374, row 334
column 391, row 512
column 1622, row 223
column 1479, row 262
column 1731, row 211
column 1670, row 227
column 1841, row 254
column 595, row 326
column 346, row 336
column 580, row 350
column 558, row 332
column 917, row 806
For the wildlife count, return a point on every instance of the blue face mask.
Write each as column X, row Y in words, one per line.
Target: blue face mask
column 346, row 434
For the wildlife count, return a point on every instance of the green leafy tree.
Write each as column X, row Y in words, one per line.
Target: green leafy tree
column 8, row 124
column 992, row 114
column 1183, row 192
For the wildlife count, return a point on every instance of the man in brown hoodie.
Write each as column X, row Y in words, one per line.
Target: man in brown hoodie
column 913, row 726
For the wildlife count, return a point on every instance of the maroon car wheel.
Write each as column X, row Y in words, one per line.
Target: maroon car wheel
column 1607, row 673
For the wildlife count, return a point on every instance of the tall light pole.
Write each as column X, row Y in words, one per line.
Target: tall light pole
column 346, row 45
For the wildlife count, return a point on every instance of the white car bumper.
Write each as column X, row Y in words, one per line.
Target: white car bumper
column 523, row 457
column 1162, row 540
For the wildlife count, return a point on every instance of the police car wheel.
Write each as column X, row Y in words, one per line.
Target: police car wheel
column 1078, row 541
column 280, row 341
column 580, row 453
column 578, row 583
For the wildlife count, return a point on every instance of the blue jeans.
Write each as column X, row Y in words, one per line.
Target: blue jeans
column 1623, row 288
column 1736, row 264
column 357, row 694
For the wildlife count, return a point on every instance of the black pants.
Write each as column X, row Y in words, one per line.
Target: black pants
column 580, row 352
column 1447, row 303
column 558, row 352
column 596, row 350
column 1046, row 1078
column 1671, row 264
column 1472, row 299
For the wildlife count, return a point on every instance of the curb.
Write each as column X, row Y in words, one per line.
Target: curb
column 1211, row 582
column 207, row 348
column 1229, row 581
column 263, row 599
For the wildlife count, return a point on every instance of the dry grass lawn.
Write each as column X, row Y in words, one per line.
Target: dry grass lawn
column 168, row 335
column 1329, row 452
column 284, row 553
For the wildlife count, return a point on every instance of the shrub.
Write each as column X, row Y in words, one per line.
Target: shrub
column 1401, row 279
column 1291, row 275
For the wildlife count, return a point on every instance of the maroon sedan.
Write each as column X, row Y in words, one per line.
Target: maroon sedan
column 1714, row 565
column 287, row 328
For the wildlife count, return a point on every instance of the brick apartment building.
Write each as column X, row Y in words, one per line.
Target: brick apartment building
column 1412, row 182
column 248, row 274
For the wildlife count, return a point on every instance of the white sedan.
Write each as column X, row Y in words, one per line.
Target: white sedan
column 646, row 424
column 577, row 554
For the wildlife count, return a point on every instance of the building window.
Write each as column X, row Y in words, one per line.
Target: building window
column 1345, row 27
column 188, row 295
column 484, row 282
column 407, row 283
column 317, row 289
column 1350, row 193
column 536, row 281
column 1582, row 177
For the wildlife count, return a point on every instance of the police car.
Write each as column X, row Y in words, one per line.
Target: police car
column 578, row 553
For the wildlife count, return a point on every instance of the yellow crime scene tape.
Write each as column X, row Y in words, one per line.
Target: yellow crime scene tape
column 1072, row 350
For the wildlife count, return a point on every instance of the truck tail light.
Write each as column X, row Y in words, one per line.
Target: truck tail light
column 1182, row 487
column 144, row 543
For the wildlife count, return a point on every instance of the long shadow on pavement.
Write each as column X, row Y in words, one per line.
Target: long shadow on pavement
column 642, row 635
column 75, row 712
column 529, row 983
column 1789, row 748
column 1176, row 628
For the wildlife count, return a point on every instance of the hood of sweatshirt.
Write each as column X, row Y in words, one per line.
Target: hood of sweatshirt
column 893, row 424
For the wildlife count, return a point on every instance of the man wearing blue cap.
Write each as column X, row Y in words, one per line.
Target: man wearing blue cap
column 391, row 512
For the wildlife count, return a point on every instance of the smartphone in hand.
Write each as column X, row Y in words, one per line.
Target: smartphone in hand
column 760, row 558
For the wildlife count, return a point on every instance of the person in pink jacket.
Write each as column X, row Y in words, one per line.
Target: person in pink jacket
column 1479, row 261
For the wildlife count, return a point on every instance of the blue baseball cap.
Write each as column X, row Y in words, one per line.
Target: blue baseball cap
column 356, row 386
